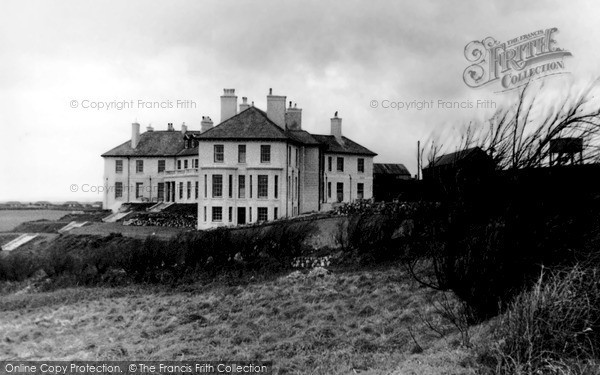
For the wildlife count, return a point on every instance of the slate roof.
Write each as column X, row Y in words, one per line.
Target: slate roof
column 454, row 157
column 330, row 144
column 249, row 124
column 154, row 143
column 390, row 169
column 302, row 136
column 189, row 152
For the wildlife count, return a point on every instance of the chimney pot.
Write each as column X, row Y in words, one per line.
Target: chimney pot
column 244, row 106
column 135, row 134
column 336, row 127
column 293, row 118
column 183, row 128
column 206, row 124
column 276, row 109
column 228, row 104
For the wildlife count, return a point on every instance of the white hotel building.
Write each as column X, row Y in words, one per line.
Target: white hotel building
column 253, row 166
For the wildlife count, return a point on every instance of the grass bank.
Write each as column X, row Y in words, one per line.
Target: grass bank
column 348, row 321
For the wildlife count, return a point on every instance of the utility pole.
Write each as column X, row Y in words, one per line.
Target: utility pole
column 418, row 160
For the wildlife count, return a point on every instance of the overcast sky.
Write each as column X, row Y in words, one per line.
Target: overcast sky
column 326, row 56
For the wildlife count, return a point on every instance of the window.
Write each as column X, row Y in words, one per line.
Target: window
column 230, row 186
column 217, row 214
column 242, row 187
column 329, row 190
column 196, row 163
column 197, row 188
column 185, row 164
column 276, row 190
column 295, row 188
column 250, row 186
column 263, row 186
column 138, row 189
column 360, row 165
column 297, row 157
column 263, row 214
column 329, row 162
column 178, row 164
column 118, row 189
column 189, row 189
column 360, row 190
column 241, row 153
column 161, row 166
column 161, row 191
column 205, row 186
column 250, row 214
column 289, row 155
column 340, row 164
column 139, row 166
column 275, row 213
column 217, row 186
column 219, row 157
column 230, row 214
column 340, row 191
column 265, row 153
column 118, row 166
column 181, row 190
column 204, row 213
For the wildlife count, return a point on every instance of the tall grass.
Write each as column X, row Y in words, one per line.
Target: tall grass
column 554, row 327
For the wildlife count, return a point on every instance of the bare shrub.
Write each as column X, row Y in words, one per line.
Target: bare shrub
column 520, row 217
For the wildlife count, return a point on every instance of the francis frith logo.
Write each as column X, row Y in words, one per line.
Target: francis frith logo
column 514, row 62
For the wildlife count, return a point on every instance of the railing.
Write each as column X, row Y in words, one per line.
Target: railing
column 183, row 172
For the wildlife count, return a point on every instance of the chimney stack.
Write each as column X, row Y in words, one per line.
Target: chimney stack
column 244, row 106
column 183, row 128
column 228, row 104
column 135, row 134
column 206, row 124
column 293, row 117
column 336, row 127
column 150, row 128
column 170, row 127
column 276, row 109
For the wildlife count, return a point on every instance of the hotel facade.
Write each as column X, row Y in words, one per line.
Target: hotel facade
column 253, row 166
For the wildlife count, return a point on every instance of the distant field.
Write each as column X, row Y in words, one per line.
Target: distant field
column 9, row 219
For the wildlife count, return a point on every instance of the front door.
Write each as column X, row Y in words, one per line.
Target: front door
column 241, row 215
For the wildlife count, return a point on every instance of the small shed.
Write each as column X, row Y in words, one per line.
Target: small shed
column 390, row 181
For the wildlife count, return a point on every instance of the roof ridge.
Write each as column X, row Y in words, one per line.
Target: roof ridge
column 261, row 112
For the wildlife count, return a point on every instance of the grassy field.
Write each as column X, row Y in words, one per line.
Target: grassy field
column 370, row 322
column 10, row 219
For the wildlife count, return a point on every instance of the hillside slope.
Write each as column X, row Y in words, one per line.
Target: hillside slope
column 365, row 322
